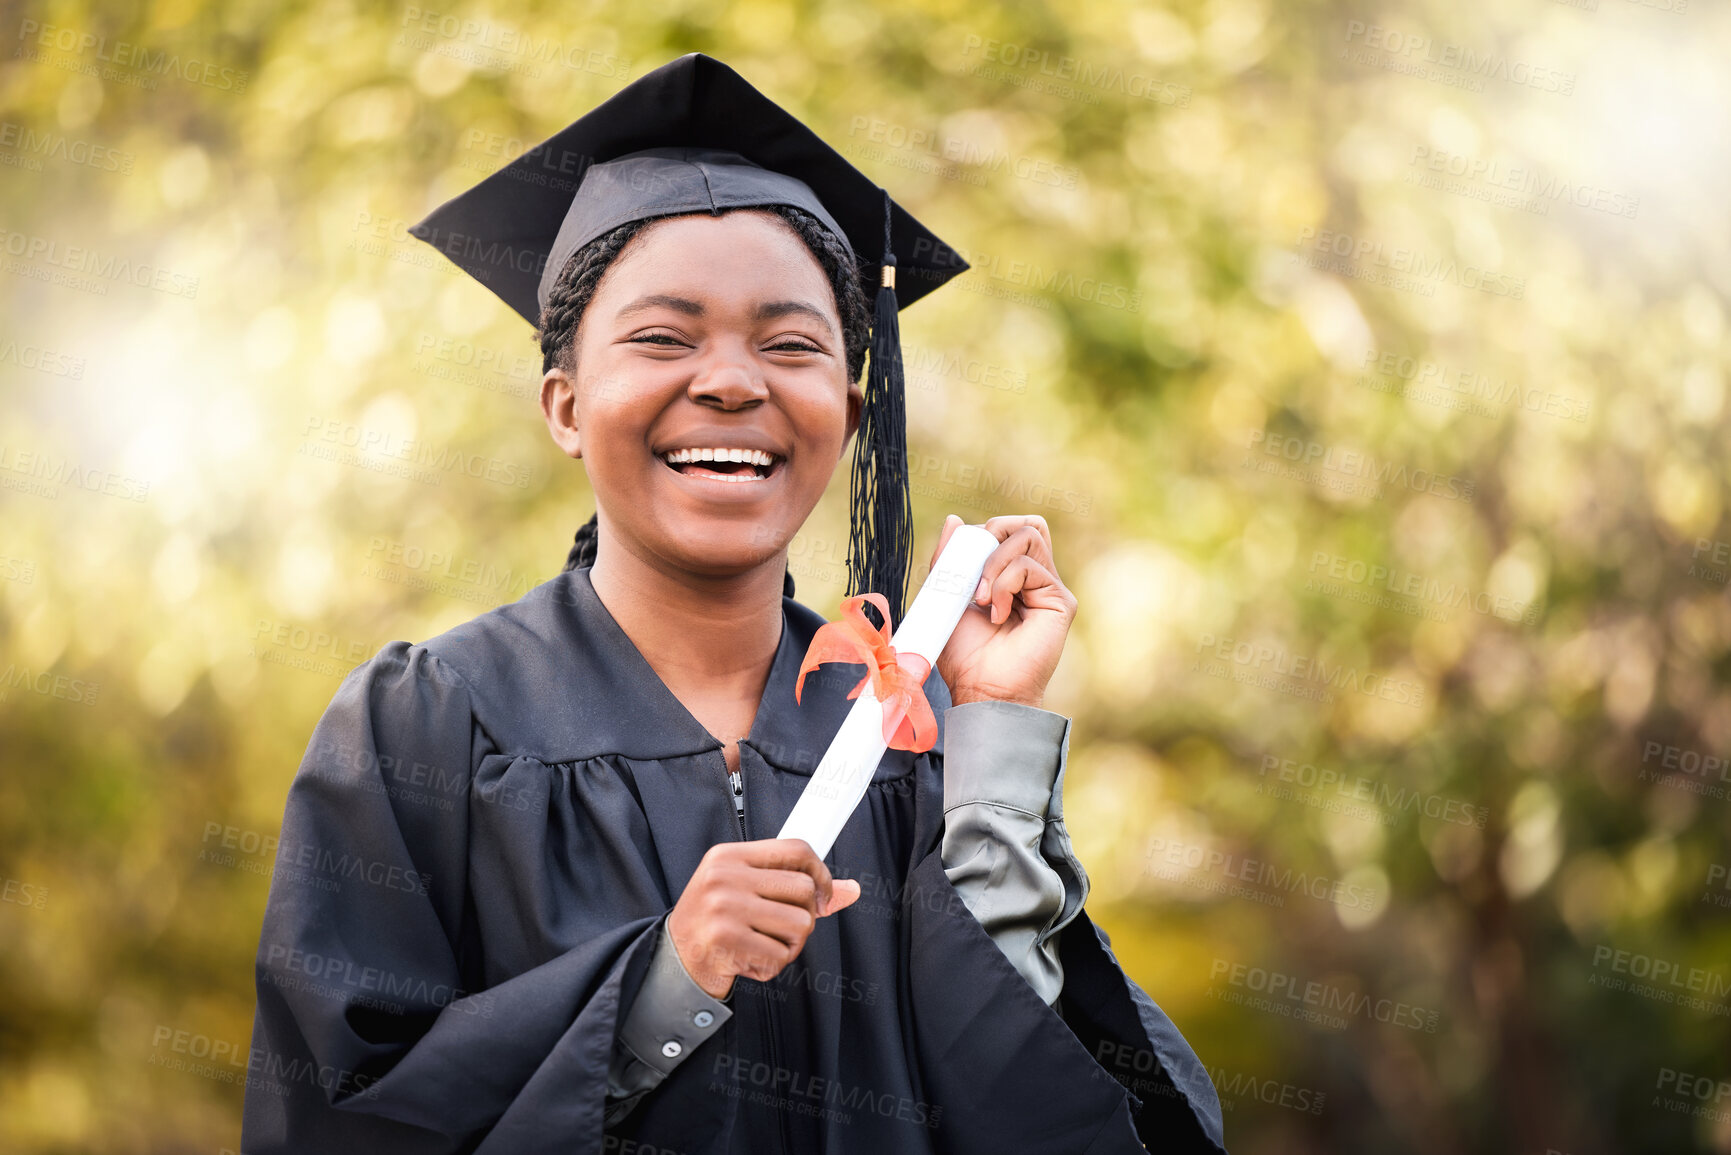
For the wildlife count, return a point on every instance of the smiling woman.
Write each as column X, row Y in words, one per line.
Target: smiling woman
column 741, row 322
column 623, row 742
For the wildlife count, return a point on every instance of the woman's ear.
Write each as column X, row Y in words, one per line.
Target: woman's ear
column 559, row 407
column 855, row 403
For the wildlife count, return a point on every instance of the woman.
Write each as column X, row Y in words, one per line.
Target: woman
column 529, row 896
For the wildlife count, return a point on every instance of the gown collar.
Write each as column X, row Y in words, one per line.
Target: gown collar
column 620, row 705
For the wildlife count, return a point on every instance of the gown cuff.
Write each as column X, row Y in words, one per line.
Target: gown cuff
column 1005, row 848
column 670, row 1017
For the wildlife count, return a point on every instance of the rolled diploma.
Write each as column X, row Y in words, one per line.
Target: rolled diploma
column 840, row 780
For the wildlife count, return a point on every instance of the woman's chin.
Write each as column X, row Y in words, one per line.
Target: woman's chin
column 723, row 547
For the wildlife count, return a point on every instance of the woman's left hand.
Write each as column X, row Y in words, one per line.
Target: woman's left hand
column 1012, row 633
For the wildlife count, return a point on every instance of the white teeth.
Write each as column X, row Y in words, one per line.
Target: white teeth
column 754, row 456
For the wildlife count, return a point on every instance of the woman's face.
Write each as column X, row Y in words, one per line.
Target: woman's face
column 707, row 333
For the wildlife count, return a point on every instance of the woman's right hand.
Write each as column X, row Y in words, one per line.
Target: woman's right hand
column 748, row 909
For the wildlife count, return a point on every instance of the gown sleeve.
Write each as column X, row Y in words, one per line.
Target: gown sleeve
column 1100, row 1068
column 1005, row 851
column 668, row 1020
column 373, row 1031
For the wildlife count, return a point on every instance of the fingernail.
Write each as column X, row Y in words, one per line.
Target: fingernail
column 981, row 590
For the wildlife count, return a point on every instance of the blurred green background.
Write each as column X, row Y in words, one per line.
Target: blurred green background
column 1369, row 363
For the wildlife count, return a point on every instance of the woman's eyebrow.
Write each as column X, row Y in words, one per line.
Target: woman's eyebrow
column 662, row 301
column 770, row 310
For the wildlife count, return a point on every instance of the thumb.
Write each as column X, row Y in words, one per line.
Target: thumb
column 943, row 537
column 844, row 892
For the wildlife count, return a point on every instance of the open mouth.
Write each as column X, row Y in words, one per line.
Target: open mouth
column 722, row 464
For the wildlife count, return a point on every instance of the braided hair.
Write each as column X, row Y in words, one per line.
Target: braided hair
column 582, row 274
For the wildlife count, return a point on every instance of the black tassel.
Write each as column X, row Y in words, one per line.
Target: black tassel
column 880, row 519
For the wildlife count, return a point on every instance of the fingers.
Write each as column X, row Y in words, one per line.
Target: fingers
column 1026, row 578
column 751, row 908
column 790, row 854
column 1018, row 536
column 845, row 894
column 760, row 957
column 795, row 854
column 1022, row 564
column 950, row 523
column 782, row 921
column 787, row 887
column 1004, row 526
column 793, row 888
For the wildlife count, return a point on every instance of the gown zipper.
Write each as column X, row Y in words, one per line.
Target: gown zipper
column 736, row 782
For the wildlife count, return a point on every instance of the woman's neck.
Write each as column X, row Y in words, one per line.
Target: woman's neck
column 712, row 640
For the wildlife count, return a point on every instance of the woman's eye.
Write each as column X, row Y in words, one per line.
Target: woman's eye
column 795, row 346
column 655, row 339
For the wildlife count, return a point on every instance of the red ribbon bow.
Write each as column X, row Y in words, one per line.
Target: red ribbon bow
column 895, row 678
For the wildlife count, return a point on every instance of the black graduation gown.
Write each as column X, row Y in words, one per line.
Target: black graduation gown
column 475, row 860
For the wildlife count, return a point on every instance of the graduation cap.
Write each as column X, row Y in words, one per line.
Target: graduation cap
column 693, row 136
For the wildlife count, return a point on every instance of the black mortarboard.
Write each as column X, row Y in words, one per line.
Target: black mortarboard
column 693, row 136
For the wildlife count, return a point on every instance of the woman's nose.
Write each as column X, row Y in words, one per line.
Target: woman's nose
column 729, row 382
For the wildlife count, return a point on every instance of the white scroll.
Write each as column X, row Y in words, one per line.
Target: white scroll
column 841, row 779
